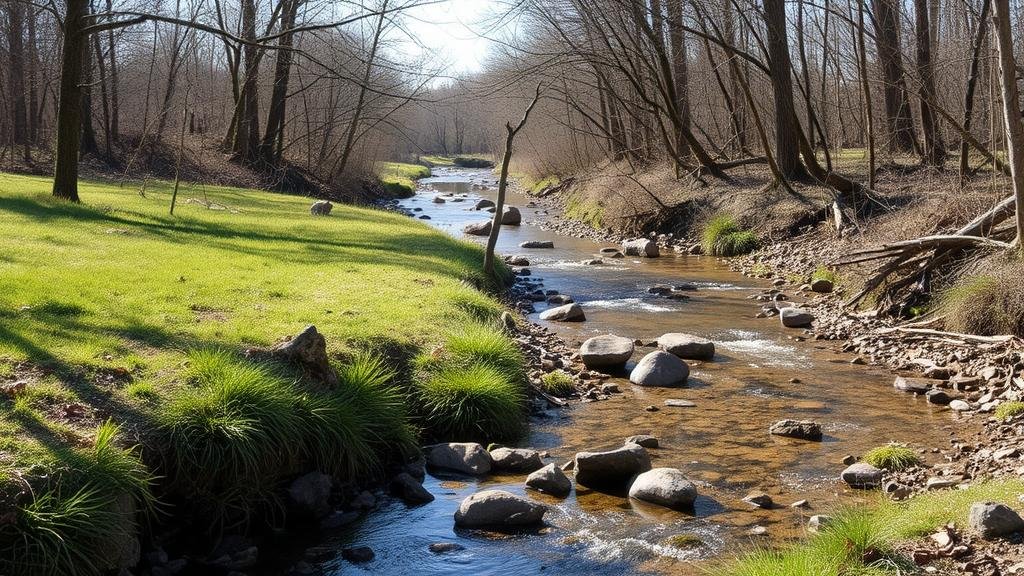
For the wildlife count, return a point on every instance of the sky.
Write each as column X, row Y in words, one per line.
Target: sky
column 449, row 31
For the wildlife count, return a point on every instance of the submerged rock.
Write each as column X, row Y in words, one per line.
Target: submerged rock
column 465, row 457
column 358, row 554
column 498, row 509
column 802, row 429
column 483, row 203
column 410, row 490
column 667, row 487
column 537, row 244
column 660, row 369
column 515, row 459
column 612, row 468
column 759, row 499
column 606, row 351
column 566, row 313
column 478, row 228
column 641, row 247
column 511, row 216
column 687, row 346
column 550, row 480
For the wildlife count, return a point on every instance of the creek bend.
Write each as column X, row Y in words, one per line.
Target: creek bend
column 722, row 444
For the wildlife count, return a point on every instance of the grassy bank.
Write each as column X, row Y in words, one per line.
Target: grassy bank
column 867, row 540
column 399, row 179
column 123, row 384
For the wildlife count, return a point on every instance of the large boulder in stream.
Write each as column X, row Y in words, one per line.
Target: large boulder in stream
column 465, row 457
column 550, row 480
column 793, row 317
column 516, row 459
column 498, row 509
column 667, row 487
column 862, row 475
column 687, row 346
column 660, row 368
column 802, row 429
column 606, row 351
column 611, row 469
column 567, row 313
column 511, row 216
column 478, row 228
column 483, row 204
column 641, row 247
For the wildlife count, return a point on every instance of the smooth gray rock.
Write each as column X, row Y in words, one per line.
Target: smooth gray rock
column 802, row 429
column 759, row 499
column 560, row 299
column 644, row 440
column 511, row 216
column 550, row 480
column 438, row 200
column 614, row 468
column 667, row 487
column 465, row 457
column 959, row 406
column 483, row 203
column 606, row 351
column 862, row 475
column 793, row 317
column 566, row 313
column 537, row 244
column 321, row 208
column 660, row 368
column 641, row 247
column 687, row 346
column 498, row 509
column 515, row 460
column 914, row 385
column 993, row 520
column 310, row 493
column 478, row 228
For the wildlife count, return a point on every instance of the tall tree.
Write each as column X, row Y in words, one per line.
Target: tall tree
column 787, row 151
column 934, row 148
column 1011, row 107
column 677, row 39
column 16, row 74
column 897, row 106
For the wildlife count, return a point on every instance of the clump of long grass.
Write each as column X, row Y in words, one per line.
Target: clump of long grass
column 722, row 236
column 1008, row 410
column 486, row 344
column 476, row 403
column 987, row 304
column 558, row 383
column 892, row 457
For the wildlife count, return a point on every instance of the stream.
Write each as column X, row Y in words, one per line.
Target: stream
column 722, row 444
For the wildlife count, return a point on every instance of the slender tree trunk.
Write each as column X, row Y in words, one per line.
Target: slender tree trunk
column 104, row 96
column 69, row 104
column 972, row 81
column 677, row 39
column 357, row 113
column 34, row 113
column 897, row 105
column 282, row 71
column 865, row 85
column 88, row 137
column 1011, row 107
column 115, row 87
column 247, row 127
column 934, row 148
column 16, row 74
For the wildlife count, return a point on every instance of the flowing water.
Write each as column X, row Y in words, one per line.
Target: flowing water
column 722, row 443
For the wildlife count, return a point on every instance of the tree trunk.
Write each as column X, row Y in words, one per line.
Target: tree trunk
column 897, row 107
column 34, row 113
column 363, row 88
column 1011, row 107
column 862, row 57
column 677, row 39
column 934, row 148
column 972, row 81
column 247, row 127
column 69, row 103
column 115, row 105
column 787, row 153
column 16, row 74
column 282, row 72
column 88, row 136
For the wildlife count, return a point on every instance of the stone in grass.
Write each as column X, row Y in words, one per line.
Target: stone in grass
column 822, row 285
column 606, row 351
column 862, row 475
column 465, row 457
column 550, row 480
column 612, row 468
column 661, row 369
column 817, row 522
column 498, row 509
column 687, row 346
column 667, row 487
column 321, row 208
column 802, row 429
column 993, row 520
column 566, row 313
column 516, row 459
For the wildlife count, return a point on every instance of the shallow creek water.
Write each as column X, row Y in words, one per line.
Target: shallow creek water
column 722, row 443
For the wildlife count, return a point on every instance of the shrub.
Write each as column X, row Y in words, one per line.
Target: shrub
column 892, row 457
column 476, row 403
column 227, row 441
column 823, row 272
column 989, row 304
column 1008, row 410
column 486, row 344
column 558, row 383
column 472, row 162
column 722, row 236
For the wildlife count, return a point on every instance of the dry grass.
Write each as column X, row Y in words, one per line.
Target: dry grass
column 988, row 299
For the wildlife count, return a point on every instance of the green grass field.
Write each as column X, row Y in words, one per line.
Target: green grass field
column 110, row 309
column 400, row 179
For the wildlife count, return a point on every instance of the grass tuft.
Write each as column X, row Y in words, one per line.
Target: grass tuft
column 558, row 383
column 823, row 272
column 476, row 403
column 989, row 304
column 586, row 211
column 400, row 179
column 486, row 344
column 1008, row 410
column 722, row 236
column 892, row 457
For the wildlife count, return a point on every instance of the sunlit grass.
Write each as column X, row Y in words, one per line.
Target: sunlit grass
column 478, row 404
column 892, row 457
column 722, row 236
column 400, row 179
